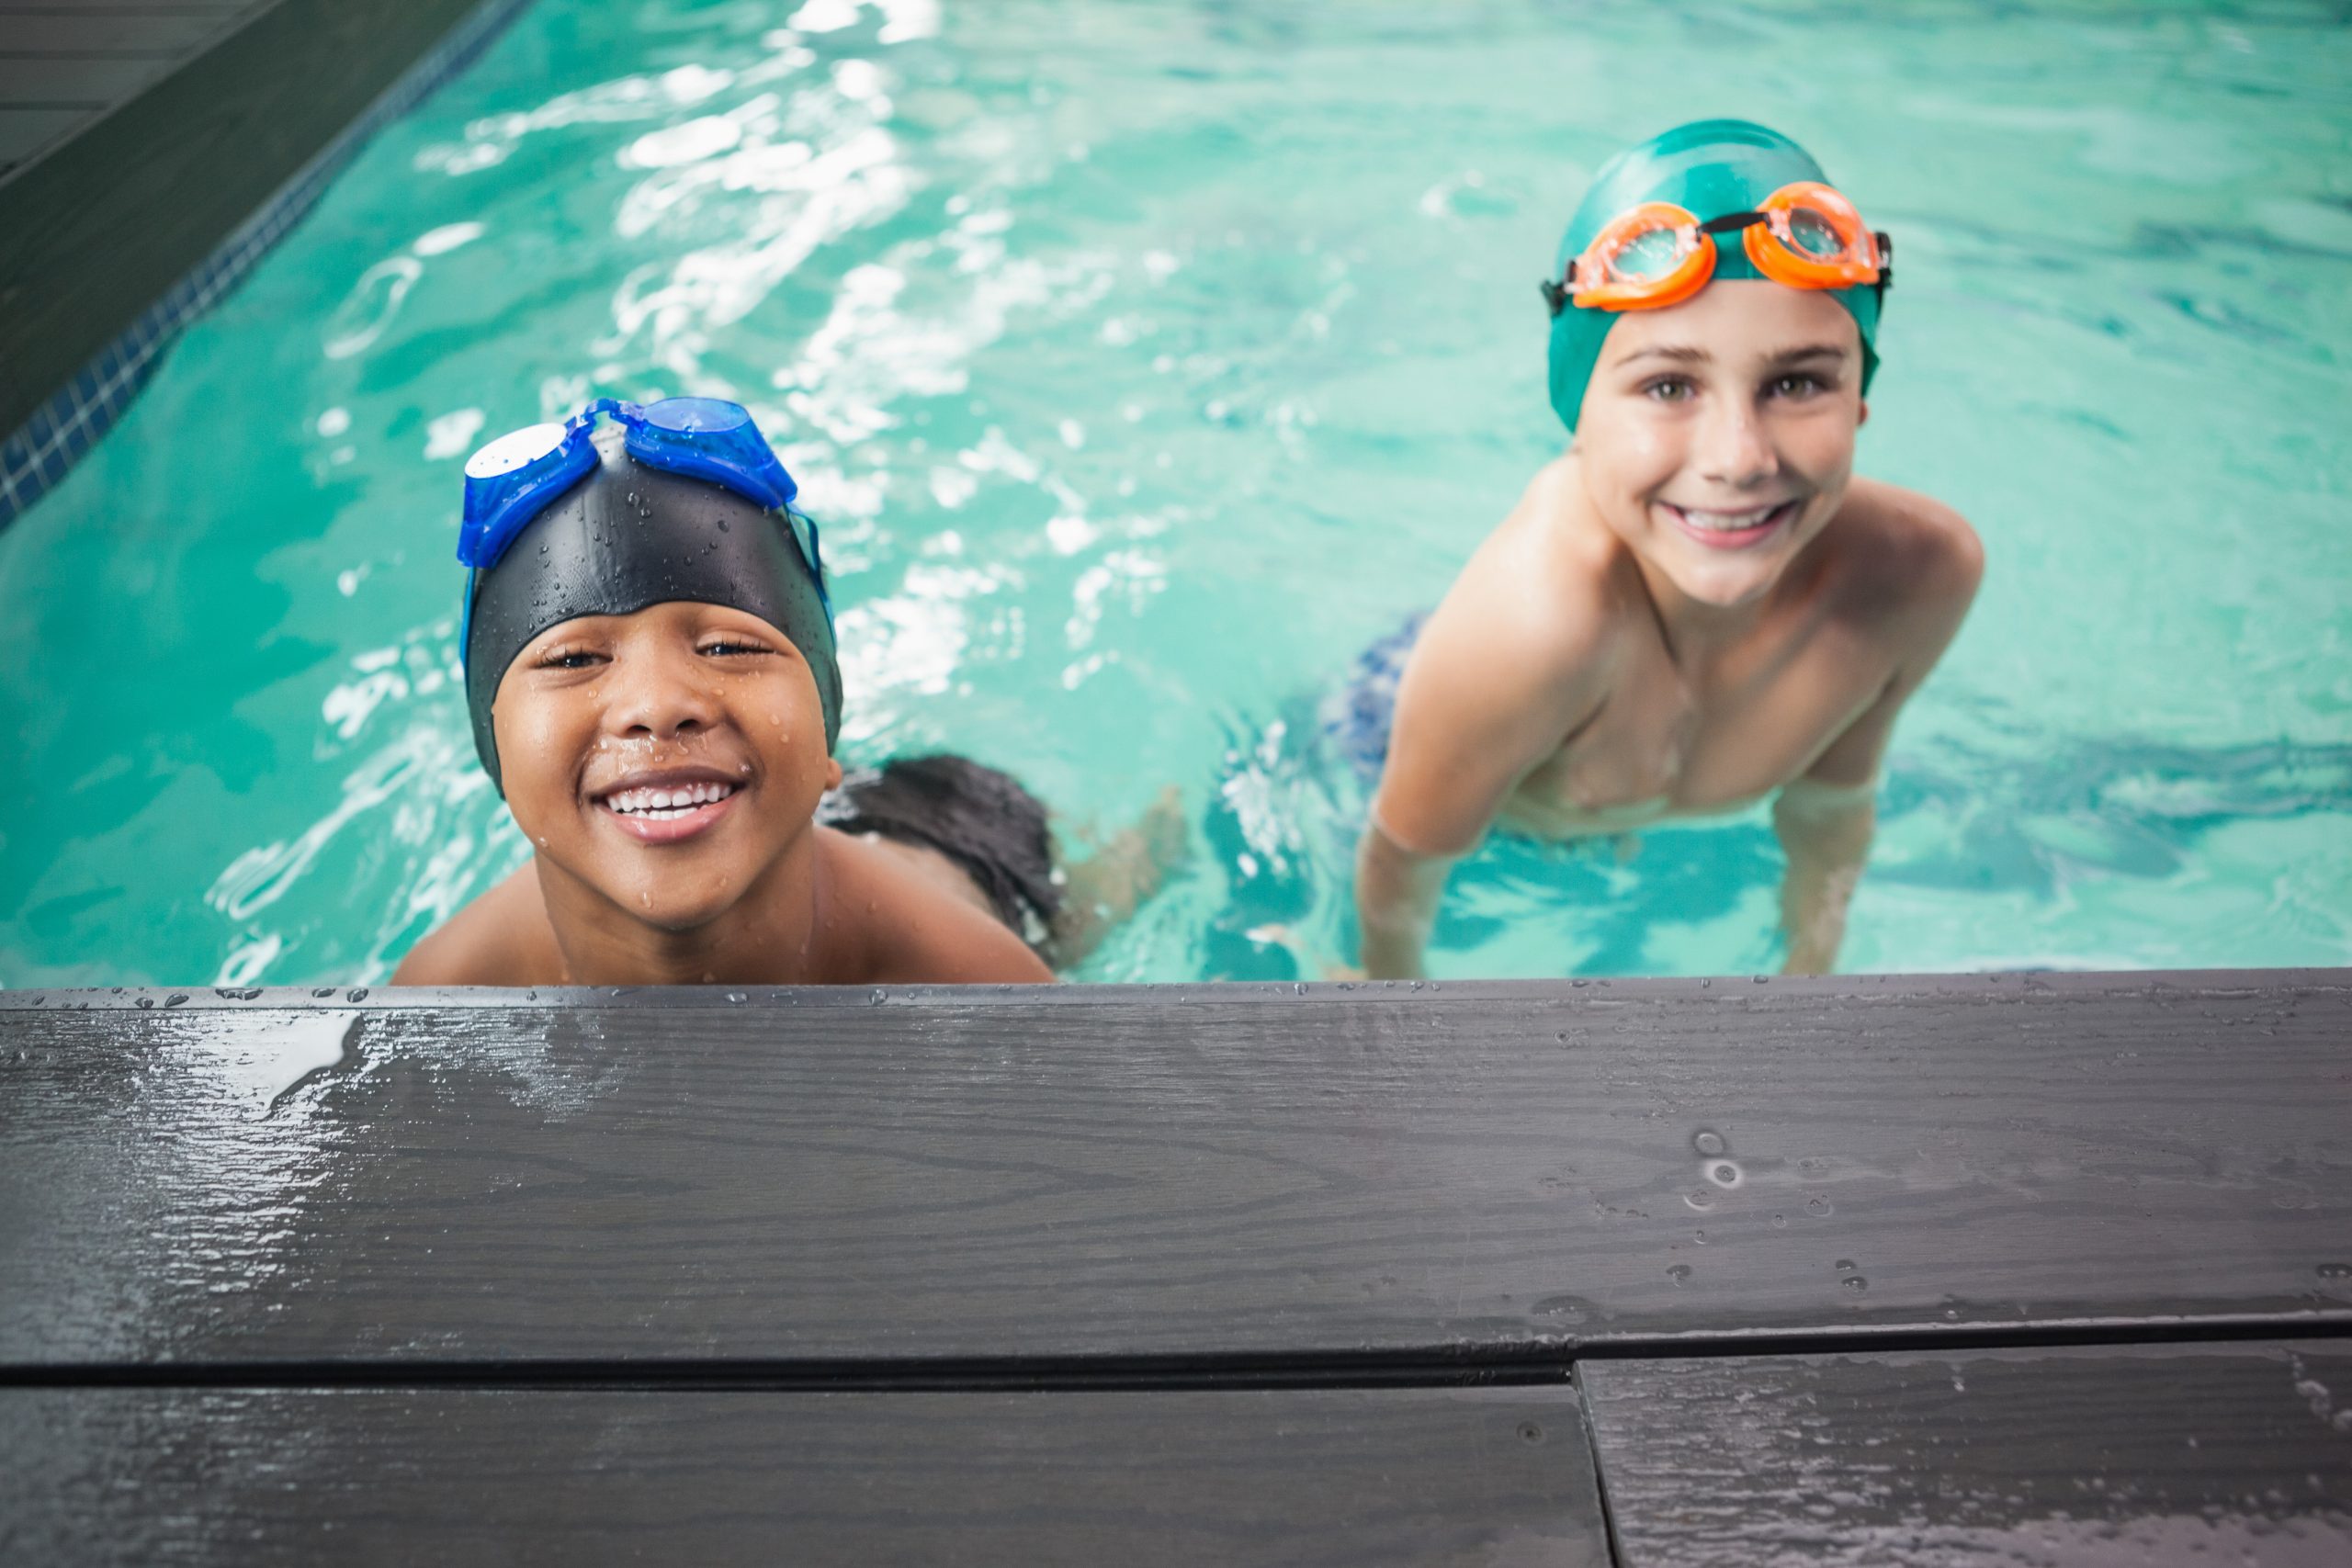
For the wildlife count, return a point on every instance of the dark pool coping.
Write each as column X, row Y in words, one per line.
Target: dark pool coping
column 134, row 221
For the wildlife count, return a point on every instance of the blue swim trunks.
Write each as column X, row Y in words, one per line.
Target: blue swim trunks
column 1358, row 717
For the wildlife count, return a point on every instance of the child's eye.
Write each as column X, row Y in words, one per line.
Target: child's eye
column 1797, row 384
column 567, row 658
column 724, row 647
column 1670, row 389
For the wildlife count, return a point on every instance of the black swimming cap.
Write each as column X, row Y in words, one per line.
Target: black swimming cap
column 630, row 536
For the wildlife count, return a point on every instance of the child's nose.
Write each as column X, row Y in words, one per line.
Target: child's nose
column 1733, row 448
column 661, row 693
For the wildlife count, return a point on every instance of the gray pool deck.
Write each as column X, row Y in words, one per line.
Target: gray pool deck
column 64, row 65
column 149, row 152
column 1632, row 1272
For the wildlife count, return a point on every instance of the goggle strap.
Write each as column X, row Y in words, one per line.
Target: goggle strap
column 1555, row 295
column 1730, row 222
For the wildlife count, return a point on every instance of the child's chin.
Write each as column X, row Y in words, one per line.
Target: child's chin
column 673, row 916
column 1725, row 585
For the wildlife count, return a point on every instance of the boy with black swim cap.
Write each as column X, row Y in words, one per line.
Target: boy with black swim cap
column 1700, row 604
column 650, row 665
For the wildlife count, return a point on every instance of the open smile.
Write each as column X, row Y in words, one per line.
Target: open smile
column 667, row 809
column 1733, row 530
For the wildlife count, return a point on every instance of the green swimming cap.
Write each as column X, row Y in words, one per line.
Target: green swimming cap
column 1710, row 168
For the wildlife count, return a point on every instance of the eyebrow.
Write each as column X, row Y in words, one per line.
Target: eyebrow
column 1686, row 353
column 1679, row 353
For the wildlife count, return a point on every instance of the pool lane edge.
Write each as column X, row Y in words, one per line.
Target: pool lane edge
column 124, row 233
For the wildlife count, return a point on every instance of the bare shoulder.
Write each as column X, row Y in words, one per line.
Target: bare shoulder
column 1911, row 551
column 882, row 923
column 500, row 939
column 1540, row 603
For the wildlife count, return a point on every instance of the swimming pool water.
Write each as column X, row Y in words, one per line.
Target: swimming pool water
column 1143, row 361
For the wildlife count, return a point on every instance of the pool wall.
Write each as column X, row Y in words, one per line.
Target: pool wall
column 117, row 233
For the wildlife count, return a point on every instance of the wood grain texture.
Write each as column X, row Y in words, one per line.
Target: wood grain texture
column 96, row 228
column 2237, row 1454
column 812, row 1177
column 1421, row 1476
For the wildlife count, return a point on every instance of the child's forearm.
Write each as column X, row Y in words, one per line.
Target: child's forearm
column 1826, row 833
column 1396, row 898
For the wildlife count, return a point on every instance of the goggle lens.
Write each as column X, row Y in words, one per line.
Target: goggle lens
column 1814, row 234
column 697, row 415
column 1648, row 257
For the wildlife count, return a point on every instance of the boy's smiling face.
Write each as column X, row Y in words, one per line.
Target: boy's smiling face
column 1717, row 435
column 662, row 761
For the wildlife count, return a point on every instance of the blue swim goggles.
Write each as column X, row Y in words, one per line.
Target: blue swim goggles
column 516, row 477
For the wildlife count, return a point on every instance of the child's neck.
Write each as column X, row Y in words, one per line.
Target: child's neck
column 768, row 937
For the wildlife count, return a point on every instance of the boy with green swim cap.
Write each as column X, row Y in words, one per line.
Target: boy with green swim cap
column 1699, row 604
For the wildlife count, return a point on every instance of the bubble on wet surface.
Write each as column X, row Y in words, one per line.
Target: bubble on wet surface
column 1780, row 1222
column 1709, row 1142
column 879, row 996
column 1724, row 1173
column 1855, row 1283
column 1819, row 1207
column 1679, row 1272
column 1701, row 1199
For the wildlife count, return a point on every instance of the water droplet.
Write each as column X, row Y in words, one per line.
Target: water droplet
column 1699, row 1200
column 1708, row 1142
column 1679, row 1272
column 1723, row 1173
column 1855, row 1283
column 1845, row 1266
column 1529, row 1432
column 146, row 1001
column 880, row 996
column 1780, row 1222
column 1817, row 1206
column 175, row 999
column 357, row 994
column 1299, row 989
column 323, row 992
column 736, row 996
column 2335, row 1270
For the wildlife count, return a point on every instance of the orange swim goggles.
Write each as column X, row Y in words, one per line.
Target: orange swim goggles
column 1805, row 235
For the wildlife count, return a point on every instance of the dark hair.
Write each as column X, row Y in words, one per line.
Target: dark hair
column 981, row 819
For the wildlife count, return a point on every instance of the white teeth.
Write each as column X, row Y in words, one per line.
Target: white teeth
column 665, row 805
column 1730, row 521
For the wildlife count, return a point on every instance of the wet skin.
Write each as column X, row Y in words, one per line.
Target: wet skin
column 1698, row 607
column 666, row 766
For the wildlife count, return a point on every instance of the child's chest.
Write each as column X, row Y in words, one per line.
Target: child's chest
column 1661, row 746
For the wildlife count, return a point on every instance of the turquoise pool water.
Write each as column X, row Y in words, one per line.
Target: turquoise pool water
column 1143, row 361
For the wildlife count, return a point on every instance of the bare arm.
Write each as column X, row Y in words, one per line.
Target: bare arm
column 1827, row 817
column 1511, row 663
column 1397, row 892
column 1824, row 830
